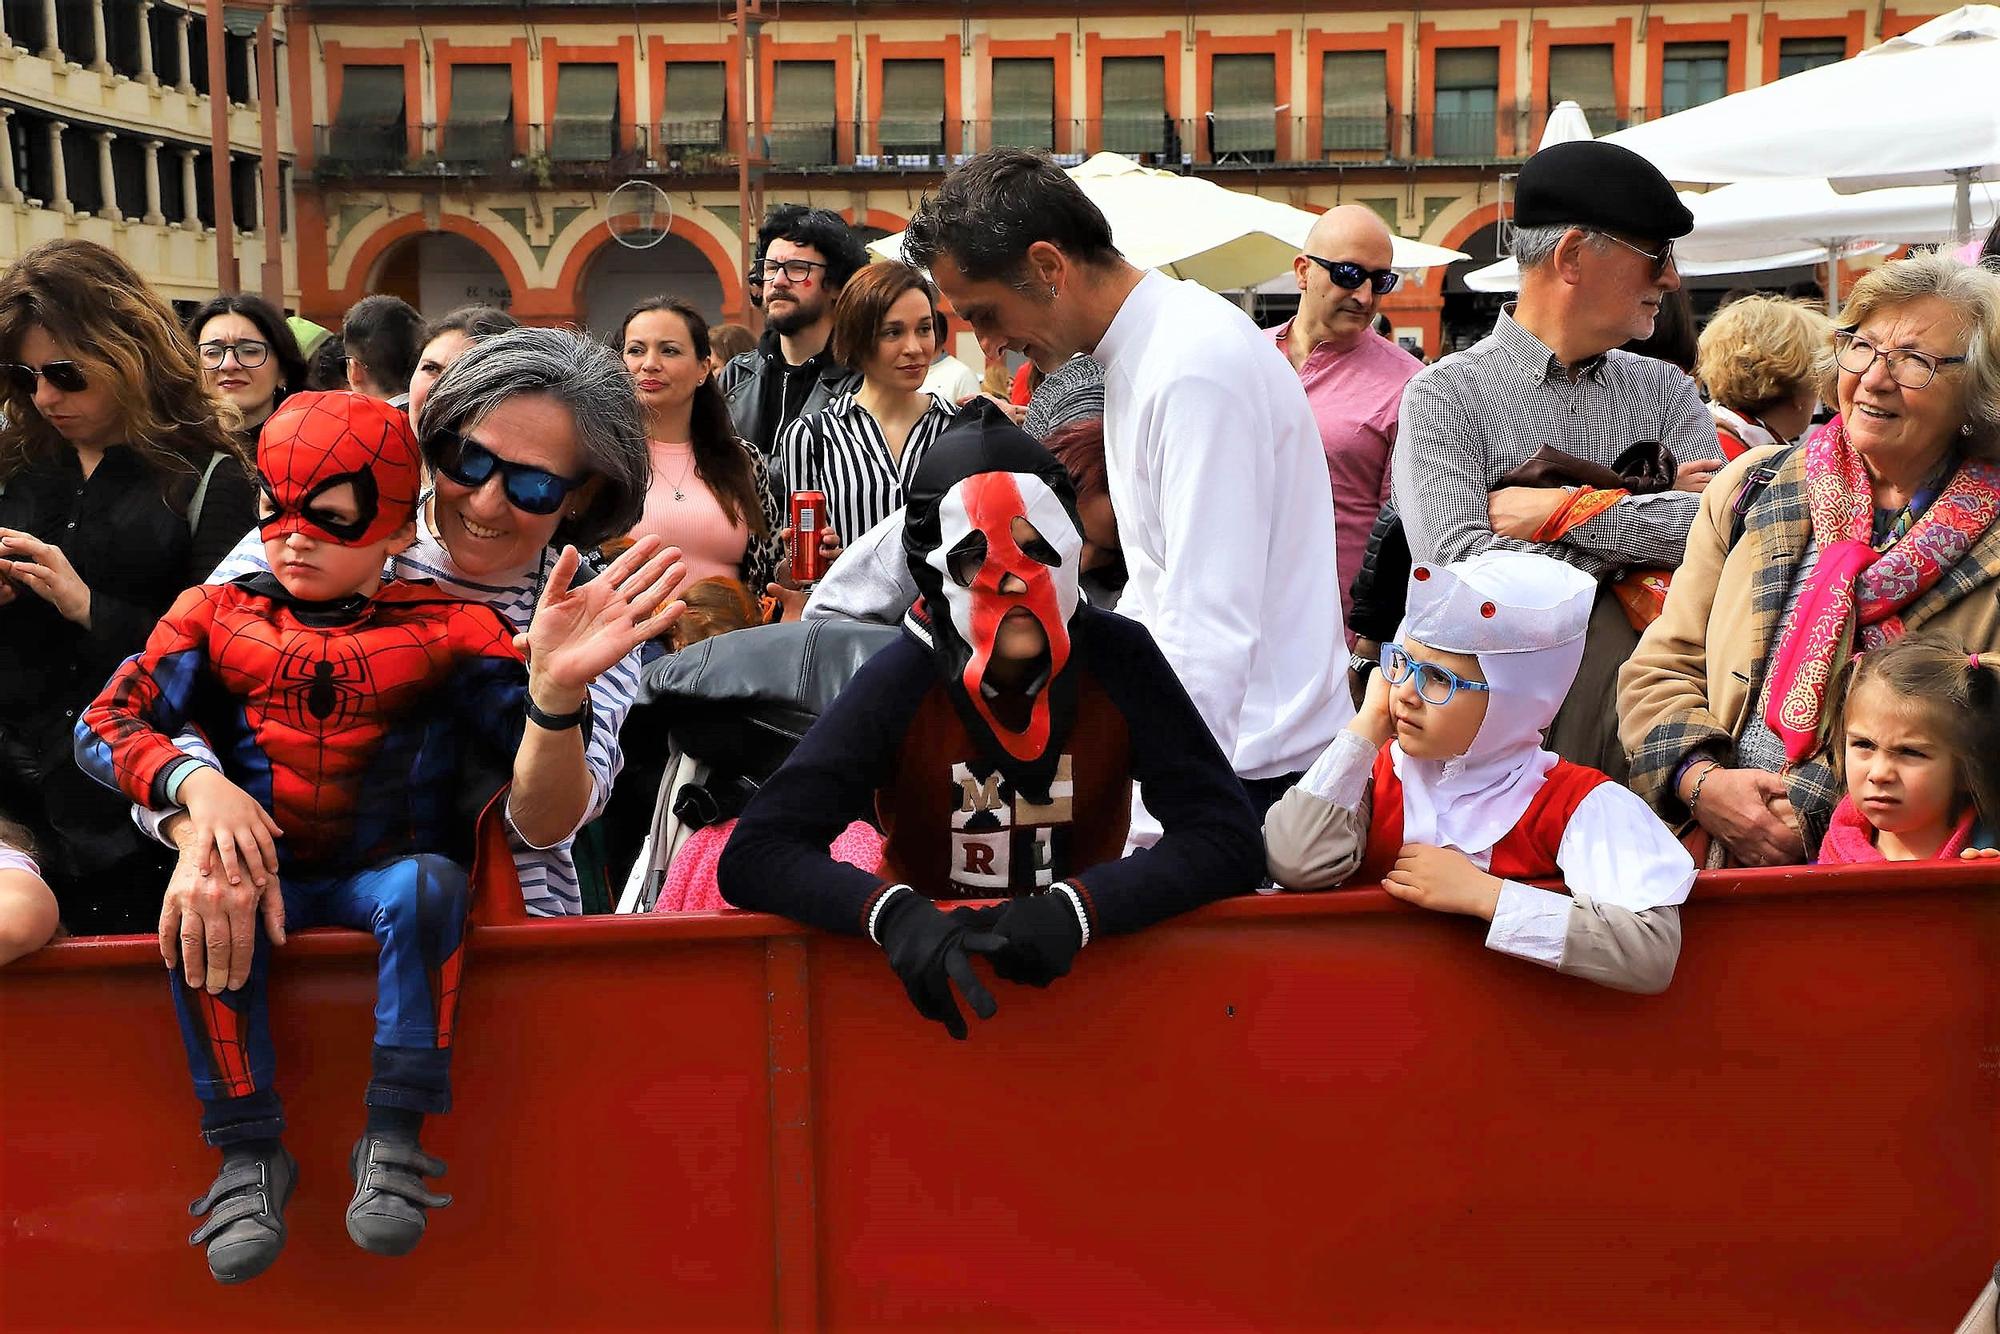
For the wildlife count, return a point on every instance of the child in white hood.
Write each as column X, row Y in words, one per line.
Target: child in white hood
column 1440, row 789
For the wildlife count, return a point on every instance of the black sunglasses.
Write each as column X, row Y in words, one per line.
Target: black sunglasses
column 64, row 375
column 529, row 489
column 1352, row 276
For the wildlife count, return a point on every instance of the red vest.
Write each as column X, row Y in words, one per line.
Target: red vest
column 1528, row 852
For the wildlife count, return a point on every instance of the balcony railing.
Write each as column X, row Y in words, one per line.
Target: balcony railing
column 510, row 154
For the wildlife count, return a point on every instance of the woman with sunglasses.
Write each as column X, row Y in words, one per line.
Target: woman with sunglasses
column 249, row 356
column 1882, row 523
column 538, row 453
column 712, row 494
column 122, row 482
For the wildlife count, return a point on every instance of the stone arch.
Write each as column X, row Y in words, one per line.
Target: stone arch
column 721, row 259
column 371, row 251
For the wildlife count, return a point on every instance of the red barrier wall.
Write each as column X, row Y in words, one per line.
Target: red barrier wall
column 1312, row 1111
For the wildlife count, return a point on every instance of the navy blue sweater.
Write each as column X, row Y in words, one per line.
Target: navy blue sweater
column 892, row 749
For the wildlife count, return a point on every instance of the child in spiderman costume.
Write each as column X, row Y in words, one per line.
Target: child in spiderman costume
column 364, row 717
column 996, row 745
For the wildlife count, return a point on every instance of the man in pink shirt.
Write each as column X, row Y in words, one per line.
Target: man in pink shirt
column 1353, row 376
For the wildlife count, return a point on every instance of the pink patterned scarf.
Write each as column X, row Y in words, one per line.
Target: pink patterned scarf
column 1852, row 583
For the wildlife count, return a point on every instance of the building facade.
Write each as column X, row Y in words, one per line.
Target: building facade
column 448, row 151
column 107, row 133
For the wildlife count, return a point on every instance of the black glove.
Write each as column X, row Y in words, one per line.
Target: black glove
column 927, row 950
column 1038, row 935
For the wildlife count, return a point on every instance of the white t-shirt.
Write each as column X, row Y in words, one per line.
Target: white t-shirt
column 1218, row 480
column 951, row 379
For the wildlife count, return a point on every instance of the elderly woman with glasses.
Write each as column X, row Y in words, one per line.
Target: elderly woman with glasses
column 536, row 445
column 1881, row 523
column 249, row 356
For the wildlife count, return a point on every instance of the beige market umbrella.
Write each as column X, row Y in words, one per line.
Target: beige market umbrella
column 1188, row 227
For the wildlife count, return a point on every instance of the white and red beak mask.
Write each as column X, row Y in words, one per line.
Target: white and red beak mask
column 993, row 542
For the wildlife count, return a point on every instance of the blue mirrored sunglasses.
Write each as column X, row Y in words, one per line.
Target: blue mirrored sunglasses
column 529, row 489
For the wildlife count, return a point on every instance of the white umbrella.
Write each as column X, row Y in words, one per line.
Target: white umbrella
column 1188, row 227
column 1567, row 123
column 1505, row 275
column 1756, row 225
column 1920, row 109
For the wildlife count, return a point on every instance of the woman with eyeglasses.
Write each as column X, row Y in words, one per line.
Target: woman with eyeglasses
column 712, row 494
column 538, row 453
column 249, row 356
column 122, row 482
column 1880, row 524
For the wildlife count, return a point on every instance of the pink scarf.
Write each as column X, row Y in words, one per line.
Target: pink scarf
column 1854, row 583
column 1850, row 839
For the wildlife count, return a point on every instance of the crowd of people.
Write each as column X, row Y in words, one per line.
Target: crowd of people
column 304, row 627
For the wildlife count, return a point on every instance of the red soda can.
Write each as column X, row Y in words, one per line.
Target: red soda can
column 808, row 520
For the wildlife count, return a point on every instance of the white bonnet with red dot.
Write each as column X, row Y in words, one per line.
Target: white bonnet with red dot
column 1499, row 602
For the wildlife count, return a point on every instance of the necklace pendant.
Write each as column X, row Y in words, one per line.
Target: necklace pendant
column 678, row 495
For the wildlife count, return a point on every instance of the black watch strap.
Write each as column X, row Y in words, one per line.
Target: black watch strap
column 558, row 722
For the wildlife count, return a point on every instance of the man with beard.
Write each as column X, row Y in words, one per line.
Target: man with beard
column 997, row 743
column 1353, row 376
column 791, row 371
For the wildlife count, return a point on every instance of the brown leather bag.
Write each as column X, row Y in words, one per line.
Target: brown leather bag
column 1641, row 469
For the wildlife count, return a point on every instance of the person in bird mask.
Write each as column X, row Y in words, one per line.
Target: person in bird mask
column 996, row 744
column 1441, row 791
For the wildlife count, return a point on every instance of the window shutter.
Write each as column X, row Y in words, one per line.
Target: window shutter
column 368, row 130
column 1354, row 101
column 1582, row 74
column 1024, row 104
column 1245, row 91
column 912, row 106
column 1135, row 104
column 480, row 127
column 586, row 122
column 696, row 105
column 802, row 119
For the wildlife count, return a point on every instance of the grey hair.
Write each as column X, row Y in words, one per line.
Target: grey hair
column 1974, row 294
column 1533, row 247
column 584, row 376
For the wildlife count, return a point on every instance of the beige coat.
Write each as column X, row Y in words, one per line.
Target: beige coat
column 1699, row 668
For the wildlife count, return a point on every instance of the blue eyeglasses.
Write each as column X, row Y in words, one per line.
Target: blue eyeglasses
column 528, row 489
column 1435, row 684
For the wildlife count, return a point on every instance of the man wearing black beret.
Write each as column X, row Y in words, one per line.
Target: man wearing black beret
column 1594, row 226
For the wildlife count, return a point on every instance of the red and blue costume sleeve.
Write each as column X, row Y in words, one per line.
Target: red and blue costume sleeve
column 125, row 738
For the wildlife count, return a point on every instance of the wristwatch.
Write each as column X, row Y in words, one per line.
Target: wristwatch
column 1361, row 664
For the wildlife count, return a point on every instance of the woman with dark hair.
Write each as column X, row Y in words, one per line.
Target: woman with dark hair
column 249, row 356
column 537, row 452
column 863, row 449
column 711, row 495
column 122, row 482
column 445, row 341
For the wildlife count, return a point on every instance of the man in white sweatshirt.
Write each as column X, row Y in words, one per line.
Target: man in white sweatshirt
column 1217, row 475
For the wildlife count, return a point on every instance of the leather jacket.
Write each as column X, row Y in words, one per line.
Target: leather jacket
column 743, row 380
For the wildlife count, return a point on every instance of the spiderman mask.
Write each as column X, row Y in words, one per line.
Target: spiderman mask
column 316, row 443
column 993, row 543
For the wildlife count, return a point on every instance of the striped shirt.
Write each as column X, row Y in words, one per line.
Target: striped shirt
column 841, row 451
column 1478, row 414
column 548, row 875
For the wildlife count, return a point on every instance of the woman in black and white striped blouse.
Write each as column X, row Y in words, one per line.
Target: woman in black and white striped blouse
column 865, row 446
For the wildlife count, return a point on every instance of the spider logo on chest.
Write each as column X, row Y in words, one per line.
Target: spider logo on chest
column 322, row 684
